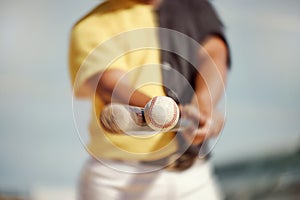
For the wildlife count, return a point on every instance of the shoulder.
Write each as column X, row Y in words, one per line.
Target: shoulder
column 91, row 17
column 183, row 4
column 192, row 9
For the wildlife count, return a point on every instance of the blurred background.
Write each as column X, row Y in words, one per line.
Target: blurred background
column 258, row 154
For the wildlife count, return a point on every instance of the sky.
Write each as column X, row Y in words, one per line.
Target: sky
column 38, row 141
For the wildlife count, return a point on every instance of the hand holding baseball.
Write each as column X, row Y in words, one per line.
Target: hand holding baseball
column 161, row 114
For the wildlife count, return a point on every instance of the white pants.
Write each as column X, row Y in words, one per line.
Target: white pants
column 100, row 182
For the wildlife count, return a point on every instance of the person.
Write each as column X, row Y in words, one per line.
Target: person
column 128, row 52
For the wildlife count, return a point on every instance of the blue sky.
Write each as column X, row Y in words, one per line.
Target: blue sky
column 38, row 141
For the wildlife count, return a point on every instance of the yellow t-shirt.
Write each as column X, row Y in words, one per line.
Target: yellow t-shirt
column 119, row 35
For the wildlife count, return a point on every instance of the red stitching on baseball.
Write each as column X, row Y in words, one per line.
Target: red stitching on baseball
column 166, row 125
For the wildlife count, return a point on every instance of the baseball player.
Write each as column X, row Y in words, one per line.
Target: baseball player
column 128, row 51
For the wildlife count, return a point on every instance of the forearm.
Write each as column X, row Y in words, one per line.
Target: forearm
column 124, row 94
column 111, row 86
column 210, row 82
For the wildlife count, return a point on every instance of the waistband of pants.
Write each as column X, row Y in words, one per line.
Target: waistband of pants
column 178, row 161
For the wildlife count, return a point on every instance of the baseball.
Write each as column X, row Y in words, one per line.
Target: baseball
column 161, row 113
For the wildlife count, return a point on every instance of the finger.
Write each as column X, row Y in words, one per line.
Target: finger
column 188, row 136
column 202, row 120
column 195, row 138
column 194, row 113
column 191, row 113
column 198, row 139
column 209, row 129
column 201, row 132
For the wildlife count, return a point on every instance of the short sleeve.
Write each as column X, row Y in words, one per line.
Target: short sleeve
column 90, row 53
column 195, row 18
column 207, row 22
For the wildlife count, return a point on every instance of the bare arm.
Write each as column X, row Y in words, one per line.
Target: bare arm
column 210, row 87
column 113, row 87
column 208, row 90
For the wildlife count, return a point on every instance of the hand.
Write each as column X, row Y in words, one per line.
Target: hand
column 204, row 126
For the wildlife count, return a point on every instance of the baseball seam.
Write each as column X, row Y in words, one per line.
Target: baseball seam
column 166, row 125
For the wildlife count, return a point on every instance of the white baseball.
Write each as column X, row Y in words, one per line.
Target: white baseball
column 161, row 113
